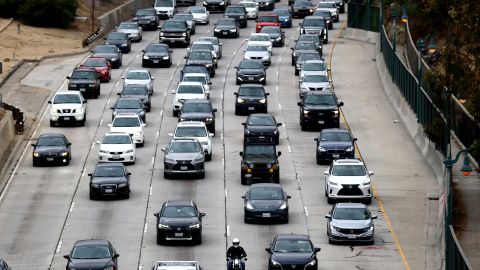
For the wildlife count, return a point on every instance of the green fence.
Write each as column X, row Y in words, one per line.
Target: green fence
column 456, row 258
column 362, row 15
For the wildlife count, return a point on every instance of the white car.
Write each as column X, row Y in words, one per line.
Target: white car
column 116, row 147
column 329, row 6
column 259, row 52
column 199, row 77
column 165, row 8
column 139, row 76
column 131, row 124
column 252, row 9
column 197, row 130
column 314, row 67
column 200, row 14
column 260, row 39
column 133, row 30
column 185, row 91
column 348, row 179
column 68, row 106
column 314, row 82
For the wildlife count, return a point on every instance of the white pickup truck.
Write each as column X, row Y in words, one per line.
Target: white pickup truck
column 176, row 265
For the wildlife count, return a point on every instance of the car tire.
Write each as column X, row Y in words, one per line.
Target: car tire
column 166, row 175
column 52, row 123
column 198, row 241
column 319, row 162
column 368, row 201
column 126, row 195
column 201, row 175
column 35, row 163
column 285, row 221
column 276, row 177
column 264, row 81
column 243, row 180
column 303, row 127
column 160, row 241
column 175, row 114
column 330, row 241
column 330, row 200
column 238, row 82
column 92, row 197
column 169, row 63
column 67, row 162
column 141, row 144
column 245, row 219
column 82, row 123
column 144, row 64
column 297, row 72
column 149, row 108
column 237, row 112
column 371, row 242
column 208, row 157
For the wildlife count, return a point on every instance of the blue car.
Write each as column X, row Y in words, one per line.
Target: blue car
column 284, row 16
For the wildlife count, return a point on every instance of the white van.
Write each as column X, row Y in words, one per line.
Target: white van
column 165, row 8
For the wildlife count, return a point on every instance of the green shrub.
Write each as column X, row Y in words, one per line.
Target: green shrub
column 8, row 8
column 48, row 13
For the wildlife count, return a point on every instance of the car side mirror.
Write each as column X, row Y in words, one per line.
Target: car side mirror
column 209, row 83
column 118, row 94
column 269, row 250
column 155, row 214
column 123, row 77
column 171, row 51
column 66, row 257
column 267, row 94
column 202, row 214
column 129, row 173
column 279, row 153
column 279, row 124
column 98, row 142
column 289, row 197
column 300, row 24
column 170, row 134
column 68, row 144
column 235, row 93
column 317, row 249
column 185, row 57
column 243, row 197
column 109, row 125
column 49, row 102
column 173, row 91
column 354, row 139
column 325, row 172
column 244, row 124
column 374, row 217
column 163, row 149
column 68, row 77
column 300, row 103
column 236, row 67
column 143, row 50
column 214, row 110
column 315, row 139
column 241, row 154
column 211, row 134
column 90, row 174
column 370, row 173
column 328, row 216
column 340, row 104
column 34, row 145
column 112, row 108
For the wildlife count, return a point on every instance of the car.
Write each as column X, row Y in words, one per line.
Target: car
column 261, row 126
column 92, row 254
column 68, row 106
column 300, row 47
column 139, row 91
column 188, row 18
column 216, row 44
column 284, row 16
column 157, row 54
column 200, row 14
column 251, row 7
column 139, row 77
column 262, row 39
column 327, row 15
column 277, row 35
column 101, row 66
column 348, row 179
column 198, row 110
column 109, row 179
column 133, row 29
column 303, row 57
column 265, row 202
column 216, row 5
column 129, row 105
column 119, row 39
column 319, row 109
column 86, row 80
column 198, row 77
column 184, row 157
column 51, row 148
column 251, row 71
column 147, row 19
column 227, row 27
column 315, row 25
column 203, row 57
column 311, row 38
column 311, row 67
column 334, row 143
column 197, row 130
column 165, row 8
column 175, row 31
column 179, row 220
column 266, row 19
column 258, row 52
column 174, row 265
column 251, row 98
column 259, row 161
column 186, row 2
column 110, row 52
column 186, row 91
column 302, row 8
column 117, row 147
column 4, row 265
column 340, row 5
column 350, row 222
column 237, row 12
column 314, row 82
column 194, row 69
column 129, row 123
column 204, row 46
column 329, row 6
column 266, row 4
column 292, row 251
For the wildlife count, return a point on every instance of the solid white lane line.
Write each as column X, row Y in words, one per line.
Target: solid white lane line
column 221, row 136
column 306, row 211
column 158, row 132
column 276, row 88
column 140, row 267
column 101, row 121
column 223, row 162
column 116, row 84
column 108, row 101
column 59, row 247
column 83, row 173
column 71, row 206
column 93, row 144
column 138, row 55
column 151, row 191
column 226, row 193
column 165, row 94
column 153, row 160
column 161, row 113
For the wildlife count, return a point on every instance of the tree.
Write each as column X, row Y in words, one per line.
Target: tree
column 8, row 8
column 48, row 13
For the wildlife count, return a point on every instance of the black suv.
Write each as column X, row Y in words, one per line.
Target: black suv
column 92, row 254
column 319, row 108
column 226, row 27
column 216, row 5
column 304, row 46
column 109, row 179
column 312, row 38
column 85, row 80
column 261, row 126
column 139, row 91
column 237, row 12
column 292, row 251
column 204, row 58
column 251, row 98
column 110, row 52
column 266, row 4
column 121, row 40
column 259, row 161
column 157, row 54
column 315, row 25
column 302, row 8
column 251, row 71
column 147, row 18
column 333, row 143
column 175, row 31
column 198, row 110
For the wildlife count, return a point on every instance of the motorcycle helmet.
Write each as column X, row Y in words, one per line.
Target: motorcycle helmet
column 236, row 242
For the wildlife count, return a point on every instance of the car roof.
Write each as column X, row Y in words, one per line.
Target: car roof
column 322, row 61
column 227, row 19
column 179, row 203
column 261, row 115
column 190, row 83
column 251, row 85
column 128, row 98
column 69, row 92
column 332, row 130
column 197, row 100
column 109, row 164
column 202, row 42
column 126, row 115
column 138, row 70
column 52, row 135
column 135, row 85
column 267, row 13
column 292, row 236
column 258, row 185
column 184, row 140
column 314, row 18
column 259, row 34
column 89, row 242
column 105, row 45
column 191, row 124
column 350, row 205
column 83, row 69
column 252, row 60
column 347, row 161
column 116, row 133
column 96, row 57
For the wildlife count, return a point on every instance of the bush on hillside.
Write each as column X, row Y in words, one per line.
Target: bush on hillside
column 8, row 8
column 48, row 13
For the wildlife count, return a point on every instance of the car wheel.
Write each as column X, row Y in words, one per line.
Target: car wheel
column 82, row 123
column 149, row 107
column 159, row 239
column 141, row 144
column 236, row 111
column 245, row 219
column 67, row 162
column 208, row 157
column 371, row 242
column 243, row 179
column 264, row 81
column 238, row 82
column 319, row 162
column 276, row 177
column 127, row 195
column 35, row 163
column 144, row 64
column 297, row 72
column 198, row 241
column 201, row 175
column 170, row 63
column 330, row 241
column 368, row 201
column 330, row 200
column 52, row 123
column 175, row 113
column 304, row 127
column 92, row 197
column 166, row 175
column 285, row 220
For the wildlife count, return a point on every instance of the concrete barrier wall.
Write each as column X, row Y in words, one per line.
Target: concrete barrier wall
column 7, row 134
column 122, row 13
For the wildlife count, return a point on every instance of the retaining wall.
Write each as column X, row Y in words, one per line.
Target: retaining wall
column 122, row 13
column 7, row 134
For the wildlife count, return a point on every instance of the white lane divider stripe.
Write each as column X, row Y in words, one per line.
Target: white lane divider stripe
column 158, row 132
column 226, row 193
column 71, row 206
column 153, row 160
column 101, row 121
column 289, row 149
column 116, row 84
column 279, row 106
column 276, row 88
column 161, row 113
column 91, row 147
column 306, row 211
column 151, row 191
column 145, row 229
column 223, row 162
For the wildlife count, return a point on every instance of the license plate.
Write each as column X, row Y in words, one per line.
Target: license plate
column 155, row 61
column 116, row 157
column 266, row 215
column 82, row 89
column 352, row 237
column 66, row 118
column 178, row 234
column 321, row 122
column 183, row 168
column 250, row 78
column 251, row 108
column 50, row 159
column 248, row 175
column 224, row 33
column 261, row 137
column 336, row 155
column 108, row 190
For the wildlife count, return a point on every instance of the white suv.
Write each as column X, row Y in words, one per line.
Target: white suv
column 131, row 124
column 68, row 106
column 348, row 179
column 197, row 130
column 185, row 91
column 116, row 147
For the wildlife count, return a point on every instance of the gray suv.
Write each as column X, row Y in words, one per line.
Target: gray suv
column 184, row 157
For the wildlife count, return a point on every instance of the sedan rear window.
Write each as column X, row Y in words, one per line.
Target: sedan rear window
column 91, row 252
column 292, row 245
column 126, row 122
column 110, row 171
column 266, row 193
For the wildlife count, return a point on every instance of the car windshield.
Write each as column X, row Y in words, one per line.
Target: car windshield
column 214, row 41
column 117, row 36
column 190, row 132
column 315, row 78
column 261, row 121
column 179, row 212
column 163, row 3
column 259, row 38
column 240, row 10
column 117, row 139
column 196, row 9
column 292, row 245
column 322, row 13
column 248, row 4
column 128, row 26
column 304, row 56
column 196, row 55
column 50, row 141
column 84, row 75
column 106, row 49
column 257, row 48
column 251, row 65
column 109, row 171
column 195, row 79
column 195, row 69
column 327, row 5
column 145, row 12
column 313, row 23
column 95, row 62
column 314, row 67
column 186, row 17
column 320, row 100
column 282, row 12
column 266, row 193
column 134, row 91
column 137, row 75
column 305, row 46
column 91, row 252
column 336, row 136
column 156, row 48
column 129, row 104
column 190, row 89
column 184, row 147
column 126, row 122
column 351, row 213
column 201, row 46
column 251, row 91
column 171, row 24
column 267, row 19
column 61, row 99
column 312, row 38
column 196, row 107
column 302, row 4
column 348, row 170
column 260, row 150
column 271, row 30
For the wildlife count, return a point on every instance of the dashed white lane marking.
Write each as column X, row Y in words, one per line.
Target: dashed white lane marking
column 140, row 267
column 59, row 247
column 153, row 160
column 71, row 206
column 108, row 101
column 208, row 31
column 277, row 73
column 101, row 121
column 221, row 96
column 116, row 84
column 138, row 55
column 178, row 64
column 83, row 173
column 165, row 94
column 221, row 136
column 276, row 88
column 228, row 230
column 93, row 144
column 226, row 193
column 161, row 113
column 306, row 211
column 289, row 149
column 145, row 229
column 223, row 162
column 158, row 132
column 224, row 79
column 151, row 191
column 279, row 106
column 221, row 114
column 171, row 78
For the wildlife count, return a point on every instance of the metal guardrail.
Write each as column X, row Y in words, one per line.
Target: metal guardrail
column 456, row 257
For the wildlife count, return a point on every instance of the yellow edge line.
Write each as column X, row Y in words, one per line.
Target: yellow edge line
column 375, row 191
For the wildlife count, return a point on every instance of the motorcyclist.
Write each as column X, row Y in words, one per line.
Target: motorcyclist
column 236, row 251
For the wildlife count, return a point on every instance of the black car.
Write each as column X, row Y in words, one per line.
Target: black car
column 327, row 15
column 216, row 5
column 292, row 251
column 302, row 8
column 277, row 35
column 110, row 52
column 139, row 91
column 319, row 108
column 303, row 46
column 92, row 254
column 237, row 12
column 302, row 57
column 315, row 25
column 251, row 71
column 179, row 220
column 147, row 18
column 198, row 110
column 333, row 143
column 266, row 4
column 157, row 54
column 259, row 125
column 202, row 58
column 4, row 265
column 259, row 161
column 226, row 28
column 188, row 18
column 311, row 38
column 51, row 148
column 251, row 98
column 119, row 39
column 265, row 202
column 350, row 222
column 109, row 179
column 175, row 31
column 184, row 157
column 85, row 80
column 129, row 105
column 194, row 69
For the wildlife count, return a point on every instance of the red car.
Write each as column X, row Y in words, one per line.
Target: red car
column 101, row 65
column 266, row 19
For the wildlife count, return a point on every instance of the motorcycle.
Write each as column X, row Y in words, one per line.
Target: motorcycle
column 237, row 263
